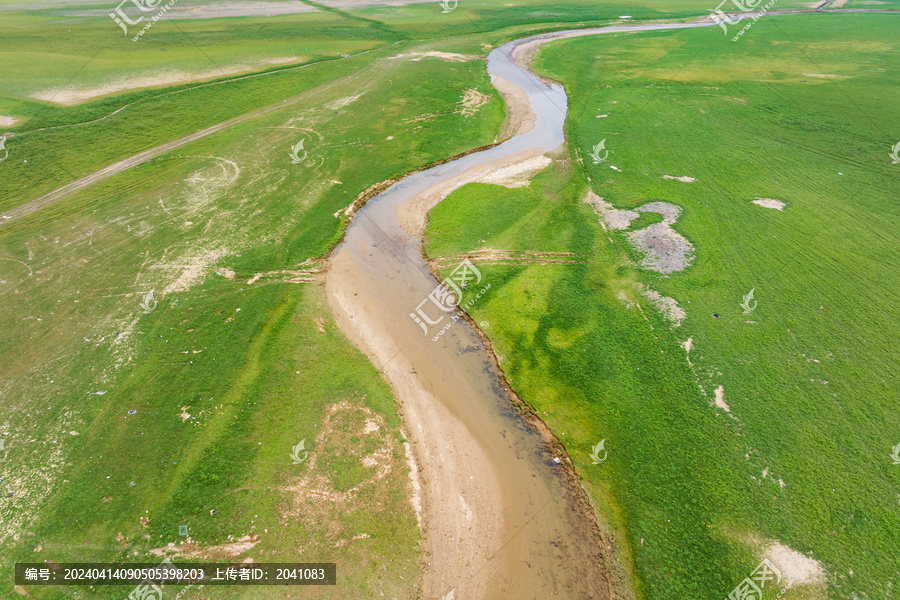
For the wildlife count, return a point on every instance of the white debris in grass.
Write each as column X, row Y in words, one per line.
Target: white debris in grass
column 720, row 400
column 667, row 306
column 770, row 203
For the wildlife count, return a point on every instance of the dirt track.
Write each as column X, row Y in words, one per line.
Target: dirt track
column 134, row 160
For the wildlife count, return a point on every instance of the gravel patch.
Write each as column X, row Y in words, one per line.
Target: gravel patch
column 668, row 211
column 667, row 306
column 665, row 250
column 611, row 217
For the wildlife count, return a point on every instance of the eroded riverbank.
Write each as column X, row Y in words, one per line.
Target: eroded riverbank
column 501, row 518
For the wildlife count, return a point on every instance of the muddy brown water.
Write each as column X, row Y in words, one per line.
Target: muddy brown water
column 500, row 518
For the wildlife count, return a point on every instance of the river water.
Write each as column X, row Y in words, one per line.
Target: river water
column 500, row 520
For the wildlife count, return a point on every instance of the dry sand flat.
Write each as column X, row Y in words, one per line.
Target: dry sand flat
column 185, row 9
column 351, row 4
column 70, row 95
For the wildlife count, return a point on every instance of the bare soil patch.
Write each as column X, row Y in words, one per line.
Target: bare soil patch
column 611, row 217
column 666, row 251
column 343, row 423
column 518, row 174
column 71, row 95
column 342, row 102
column 825, row 75
column 770, row 203
column 193, row 266
column 720, row 399
column 185, row 9
column 285, row 276
column 794, row 566
column 796, row 569
column 667, row 306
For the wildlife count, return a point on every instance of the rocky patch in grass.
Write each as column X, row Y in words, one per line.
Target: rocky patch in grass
column 667, row 306
column 611, row 217
column 665, row 250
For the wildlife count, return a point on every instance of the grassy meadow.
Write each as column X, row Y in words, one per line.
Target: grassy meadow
column 801, row 110
column 235, row 359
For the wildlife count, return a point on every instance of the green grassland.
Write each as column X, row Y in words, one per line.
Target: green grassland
column 258, row 366
column 52, row 47
column 46, row 50
column 800, row 109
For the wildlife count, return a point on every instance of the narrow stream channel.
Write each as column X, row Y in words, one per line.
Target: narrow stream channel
column 500, row 518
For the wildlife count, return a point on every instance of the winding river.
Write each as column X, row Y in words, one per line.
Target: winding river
column 500, row 517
